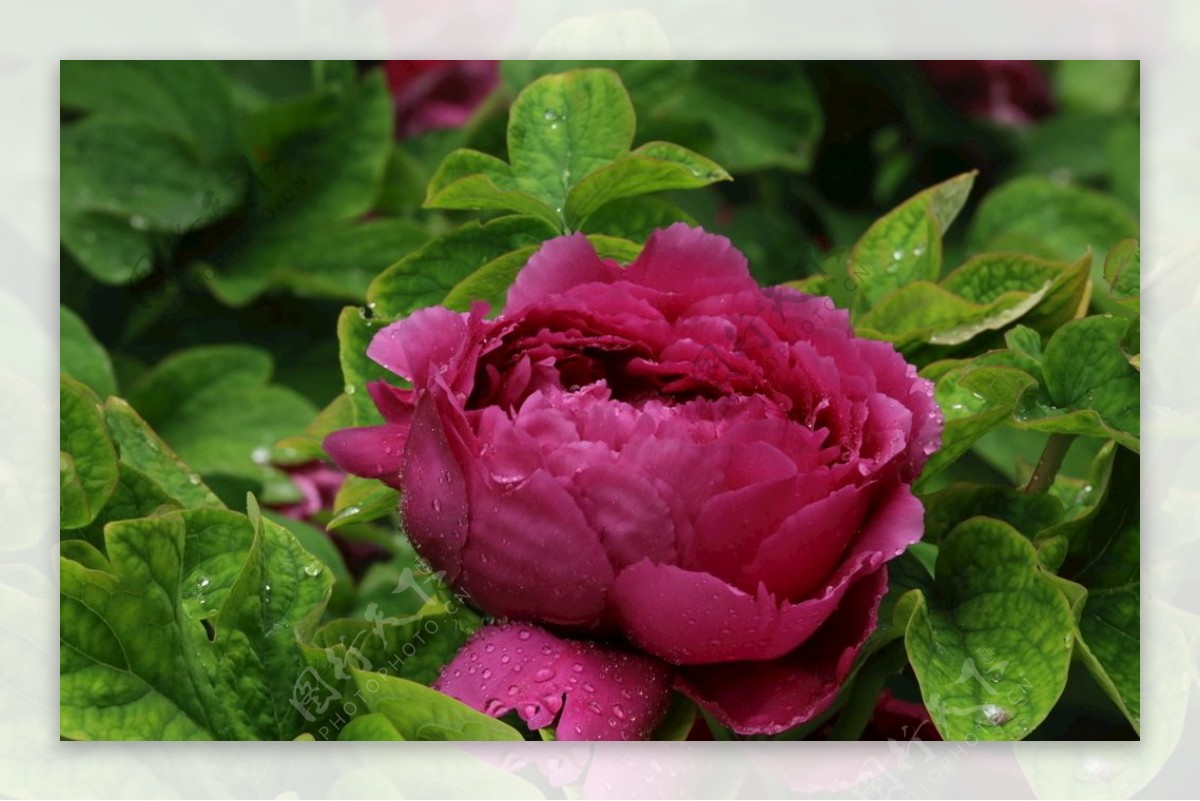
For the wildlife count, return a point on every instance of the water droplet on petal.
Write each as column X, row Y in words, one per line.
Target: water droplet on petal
column 437, row 505
column 545, row 674
column 524, row 635
column 618, row 712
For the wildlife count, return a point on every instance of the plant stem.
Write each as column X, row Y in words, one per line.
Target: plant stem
column 1052, row 459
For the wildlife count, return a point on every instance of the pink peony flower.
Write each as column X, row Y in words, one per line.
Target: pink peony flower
column 432, row 95
column 665, row 456
column 1006, row 92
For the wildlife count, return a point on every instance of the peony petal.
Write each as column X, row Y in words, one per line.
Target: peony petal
column 690, row 262
column 373, row 452
column 798, row 558
column 431, row 341
column 771, row 697
column 626, row 509
column 531, row 554
column 689, row 618
column 561, row 264
column 593, row 692
column 434, row 504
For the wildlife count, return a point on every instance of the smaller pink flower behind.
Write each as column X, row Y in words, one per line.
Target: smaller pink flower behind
column 1014, row 93
column 433, row 95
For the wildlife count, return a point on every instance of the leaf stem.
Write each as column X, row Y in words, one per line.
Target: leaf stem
column 1051, row 460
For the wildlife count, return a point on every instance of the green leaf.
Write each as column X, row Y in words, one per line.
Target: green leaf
column 82, row 357
column 1101, row 86
column 562, row 128
column 105, row 246
column 340, row 262
column 1024, row 340
column 468, row 179
column 678, row 722
column 87, row 458
column 1089, row 386
column 757, row 114
column 1055, row 221
column 192, row 634
column 427, row 276
column 974, row 399
column 1103, row 561
column 635, row 219
column 136, row 495
column 355, row 331
column 371, row 726
column 318, row 543
column 361, row 500
column 420, row 713
column 145, row 451
column 653, row 167
column 905, row 245
column 991, row 647
column 1027, row 512
column 192, row 100
column 217, row 409
column 307, row 447
column 1122, row 271
column 313, row 171
column 151, row 178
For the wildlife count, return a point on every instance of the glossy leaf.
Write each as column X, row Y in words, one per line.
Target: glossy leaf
column 82, row 357
column 905, row 245
column 191, row 634
column 982, row 677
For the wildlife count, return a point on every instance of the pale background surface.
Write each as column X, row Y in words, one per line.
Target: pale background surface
column 35, row 36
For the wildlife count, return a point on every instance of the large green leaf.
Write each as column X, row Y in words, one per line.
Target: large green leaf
column 313, row 172
column 1027, row 512
column 150, row 177
column 143, row 450
column 1056, row 221
column 905, row 245
column 419, row 713
column 341, row 261
column 82, row 357
column 991, row 645
column 136, row 495
column 217, row 409
column 87, row 458
column 427, row 276
column 361, row 500
column 562, row 128
column 192, row 632
column 192, row 100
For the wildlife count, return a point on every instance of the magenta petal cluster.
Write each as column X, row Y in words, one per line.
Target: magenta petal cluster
column 664, row 455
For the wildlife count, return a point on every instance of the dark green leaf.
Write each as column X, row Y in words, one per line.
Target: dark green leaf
column 215, row 407
column 82, row 357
